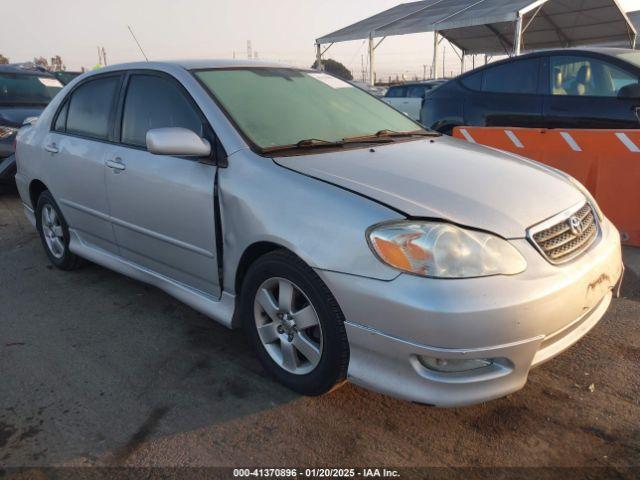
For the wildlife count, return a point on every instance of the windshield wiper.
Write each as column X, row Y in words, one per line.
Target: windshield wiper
column 389, row 134
column 303, row 144
column 382, row 136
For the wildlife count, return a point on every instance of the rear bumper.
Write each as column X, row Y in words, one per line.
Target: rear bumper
column 517, row 322
column 7, row 169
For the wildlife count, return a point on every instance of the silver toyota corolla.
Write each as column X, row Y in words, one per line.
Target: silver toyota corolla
column 348, row 241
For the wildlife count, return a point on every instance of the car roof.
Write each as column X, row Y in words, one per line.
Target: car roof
column 418, row 84
column 195, row 64
column 25, row 69
column 609, row 51
column 612, row 51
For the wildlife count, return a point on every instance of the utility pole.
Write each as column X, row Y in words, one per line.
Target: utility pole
column 424, row 72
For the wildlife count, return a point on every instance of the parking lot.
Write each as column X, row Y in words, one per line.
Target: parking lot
column 97, row 369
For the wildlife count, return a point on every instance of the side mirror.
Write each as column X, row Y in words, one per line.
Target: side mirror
column 177, row 141
column 30, row 121
column 630, row 92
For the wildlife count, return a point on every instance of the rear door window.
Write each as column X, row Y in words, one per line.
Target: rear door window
column 91, row 108
column 396, row 92
column 155, row 102
column 520, row 76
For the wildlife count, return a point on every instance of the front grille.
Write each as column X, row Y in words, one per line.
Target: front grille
column 568, row 237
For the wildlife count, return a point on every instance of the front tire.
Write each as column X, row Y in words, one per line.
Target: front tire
column 294, row 324
column 54, row 233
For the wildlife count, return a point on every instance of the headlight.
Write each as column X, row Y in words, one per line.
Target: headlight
column 6, row 132
column 443, row 250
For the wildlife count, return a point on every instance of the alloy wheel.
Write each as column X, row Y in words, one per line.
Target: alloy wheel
column 288, row 326
column 52, row 230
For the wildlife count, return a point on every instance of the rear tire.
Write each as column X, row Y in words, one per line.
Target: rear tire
column 300, row 336
column 54, row 233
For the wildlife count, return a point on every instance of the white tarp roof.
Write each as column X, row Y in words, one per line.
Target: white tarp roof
column 487, row 26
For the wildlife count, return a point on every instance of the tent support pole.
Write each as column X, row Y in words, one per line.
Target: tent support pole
column 517, row 43
column 462, row 63
column 319, row 57
column 372, row 50
column 436, row 38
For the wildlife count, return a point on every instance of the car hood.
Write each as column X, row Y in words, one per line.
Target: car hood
column 447, row 179
column 14, row 116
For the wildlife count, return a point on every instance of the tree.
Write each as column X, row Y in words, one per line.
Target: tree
column 3, row 60
column 335, row 67
column 41, row 62
column 57, row 65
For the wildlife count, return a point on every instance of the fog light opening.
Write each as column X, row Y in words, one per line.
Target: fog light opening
column 455, row 365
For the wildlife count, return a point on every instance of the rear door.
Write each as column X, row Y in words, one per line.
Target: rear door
column 162, row 206
column 583, row 93
column 75, row 151
column 396, row 96
column 413, row 102
column 508, row 96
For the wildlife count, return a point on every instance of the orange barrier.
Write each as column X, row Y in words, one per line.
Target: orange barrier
column 607, row 162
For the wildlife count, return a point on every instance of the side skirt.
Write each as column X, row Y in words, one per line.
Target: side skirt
column 221, row 310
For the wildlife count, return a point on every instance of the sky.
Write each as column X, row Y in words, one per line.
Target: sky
column 279, row 30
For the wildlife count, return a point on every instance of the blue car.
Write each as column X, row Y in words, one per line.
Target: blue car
column 24, row 92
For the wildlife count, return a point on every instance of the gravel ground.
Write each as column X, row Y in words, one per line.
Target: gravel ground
column 97, row 369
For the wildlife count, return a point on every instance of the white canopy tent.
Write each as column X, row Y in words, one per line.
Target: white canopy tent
column 492, row 26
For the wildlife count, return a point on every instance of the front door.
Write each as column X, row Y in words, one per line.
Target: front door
column 162, row 207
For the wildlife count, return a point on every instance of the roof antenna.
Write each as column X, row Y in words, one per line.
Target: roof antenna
column 139, row 46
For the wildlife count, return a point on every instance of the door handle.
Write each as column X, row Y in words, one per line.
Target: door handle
column 51, row 148
column 115, row 164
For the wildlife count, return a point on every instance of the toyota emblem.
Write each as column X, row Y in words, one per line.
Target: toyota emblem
column 575, row 225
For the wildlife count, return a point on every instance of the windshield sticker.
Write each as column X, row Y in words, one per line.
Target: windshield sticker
column 333, row 82
column 50, row 82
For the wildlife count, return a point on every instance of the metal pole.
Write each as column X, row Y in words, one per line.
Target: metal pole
column 462, row 63
column 372, row 76
column 436, row 40
column 634, row 41
column 444, row 61
column 319, row 57
column 517, row 43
